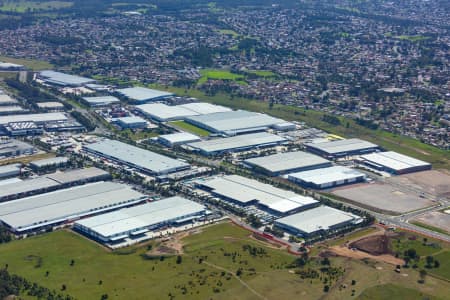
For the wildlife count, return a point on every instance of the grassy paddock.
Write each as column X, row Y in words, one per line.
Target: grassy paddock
column 391, row 291
column 35, row 65
column 430, row 227
column 220, row 75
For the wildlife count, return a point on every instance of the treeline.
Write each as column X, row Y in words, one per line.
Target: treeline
column 366, row 123
column 83, row 120
column 5, row 236
column 16, row 285
column 331, row 119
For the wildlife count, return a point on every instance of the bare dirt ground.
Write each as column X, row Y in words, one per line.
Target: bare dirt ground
column 434, row 182
column 356, row 254
column 374, row 245
column 436, row 219
column 172, row 245
column 384, row 196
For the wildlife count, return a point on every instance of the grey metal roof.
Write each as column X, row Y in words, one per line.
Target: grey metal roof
column 163, row 112
column 319, row 218
column 141, row 216
column 245, row 190
column 237, row 142
column 6, row 99
column 142, row 94
column 232, row 122
column 49, row 161
column 394, row 160
column 101, row 100
column 343, row 146
column 9, row 168
column 179, row 137
column 65, row 204
column 327, row 175
column 10, row 109
column 71, row 176
column 65, row 79
column 38, row 118
column 202, row 108
column 148, row 160
column 131, row 120
column 287, row 161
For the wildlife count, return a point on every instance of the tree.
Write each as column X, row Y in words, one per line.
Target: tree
column 353, row 282
column 104, row 297
column 436, row 264
column 326, row 288
column 422, row 274
column 430, row 261
column 179, row 259
column 239, row 272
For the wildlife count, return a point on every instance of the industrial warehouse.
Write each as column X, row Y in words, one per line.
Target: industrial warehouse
column 62, row 79
column 101, row 101
column 288, row 162
column 141, row 159
column 141, row 95
column 394, row 162
column 164, row 113
column 244, row 192
column 327, row 177
column 179, row 138
column 51, row 182
column 43, row 212
column 11, row 170
column 317, row 221
column 342, row 148
column 36, row 118
column 238, row 122
column 237, row 143
column 133, row 223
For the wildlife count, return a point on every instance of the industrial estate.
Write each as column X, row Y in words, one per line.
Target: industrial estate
column 211, row 197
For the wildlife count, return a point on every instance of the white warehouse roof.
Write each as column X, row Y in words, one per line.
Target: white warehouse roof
column 202, row 108
column 101, row 100
column 234, row 122
column 283, row 162
column 347, row 145
column 49, row 161
column 163, row 112
column 37, row 118
column 394, row 160
column 143, row 94
column 179, row 138
column 37, row 211
column 64, row 79
column 245, row 190
column 137, row 157
column 319, row 218
column 140, row 217
column 327, row 175
column 238, row 142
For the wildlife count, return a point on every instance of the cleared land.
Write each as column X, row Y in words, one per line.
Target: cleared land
column 434, row 220
column 383, row 197
column 220, row 75
column 190, row 128
column 35, row 65
column 433, row 182
column 392, row 291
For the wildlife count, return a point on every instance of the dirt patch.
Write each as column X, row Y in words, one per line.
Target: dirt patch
column 356, row 254
column 374, row 245
column 327, row 253
column 433, row 182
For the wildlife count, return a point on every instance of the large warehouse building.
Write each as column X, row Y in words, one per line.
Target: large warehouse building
column 244, row 192
column 141, row 95
column 11, row 170
column 59, row 207
column 12, row 147
column 394, row 162
column 134, row 222
column 135, row 157
column 317, row 221
column 342, row 148
column 236, row 122
column 327, row 177
column 164, row 113
column 288, row 162
column 62, row 79
column 101, row 101
column 50, row 182
column 36, row 118
column 237, row 143
column 179, row 138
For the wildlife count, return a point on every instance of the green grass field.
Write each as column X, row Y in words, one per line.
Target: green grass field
column 408, row 146
column 22, row 6
column 190, row 128
column 229, row 32
column 437, row 229
column 220, row 75
column 35, row 65
column 262, row 73
column 411, row 38
column 127, row 274
column 391, row 291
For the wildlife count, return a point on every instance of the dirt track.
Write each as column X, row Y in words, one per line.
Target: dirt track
column 356, row 254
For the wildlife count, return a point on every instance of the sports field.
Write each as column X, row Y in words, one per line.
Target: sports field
column 220, row 75
column 218, row 262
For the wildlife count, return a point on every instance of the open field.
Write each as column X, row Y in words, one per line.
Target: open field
column 220, row 75
column 383, row 197
column 229, row 32
column 405, row 145
column 25, row 159
column 35, row 65
column 435, row 220
column 433, row 182
column 22, row 6
column 190, row 128
column 211, row 257
column 392, row 291
column 262, row 73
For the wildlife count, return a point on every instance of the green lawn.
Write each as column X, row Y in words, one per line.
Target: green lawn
column 391, row 291
column 262, row 73
column 408, row 146
column 430, row 227
column 229, row 32
column 220, row 75
column 35, row 65
column 412, row 38
column 190, row 128
column 444, row 268
column 24, row 6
